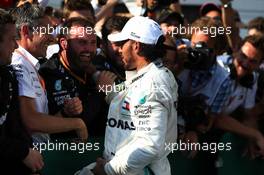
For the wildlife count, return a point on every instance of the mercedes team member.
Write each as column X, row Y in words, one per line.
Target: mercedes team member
column 32, row 88
column 69, row 75
column 142, row 116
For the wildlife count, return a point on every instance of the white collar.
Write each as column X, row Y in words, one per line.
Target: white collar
column 144, row 69
column 30, row 57
column 140, row 73
column 157, row 62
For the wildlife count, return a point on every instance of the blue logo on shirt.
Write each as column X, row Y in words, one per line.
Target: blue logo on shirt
column 58, row 86
column 142, row 100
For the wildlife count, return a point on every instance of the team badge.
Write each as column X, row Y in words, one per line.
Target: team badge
column 142, row 100
column 125, row 109
column 58, row 86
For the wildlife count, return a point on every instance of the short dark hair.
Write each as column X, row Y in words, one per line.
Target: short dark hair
column 167, row 16
column 220, row 40
column 208, row 7
column 48, row 10
column 257, row 23
column 27, row 14
column 152, row 52
column 114, row 23
column 257, row 41
column 74, row 5
column 72, row 22
column 5, row 18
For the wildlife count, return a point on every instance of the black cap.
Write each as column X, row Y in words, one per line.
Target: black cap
column 207, row 7
column 167, row 15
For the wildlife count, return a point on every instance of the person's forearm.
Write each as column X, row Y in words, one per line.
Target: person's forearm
column 229, row 21
column 229, row 124
column 256, row 111
column 133, row 160
column 251, row 117
column 59, row 114
column 106, row 10
column 40, row 122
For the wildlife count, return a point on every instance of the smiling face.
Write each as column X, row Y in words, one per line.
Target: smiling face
column 40, row 40
column 81, row 47
column 113, row 53
column 247, row 60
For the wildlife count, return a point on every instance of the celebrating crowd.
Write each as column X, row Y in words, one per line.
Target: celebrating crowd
column 92, row 69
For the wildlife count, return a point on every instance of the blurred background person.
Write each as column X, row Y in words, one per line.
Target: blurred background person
column 256, row 26
column 109, row 57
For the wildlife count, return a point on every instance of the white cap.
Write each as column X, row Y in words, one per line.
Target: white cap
column 138, row 28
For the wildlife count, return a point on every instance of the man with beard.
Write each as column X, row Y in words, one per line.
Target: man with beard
column 69, row 74
column 32, row 93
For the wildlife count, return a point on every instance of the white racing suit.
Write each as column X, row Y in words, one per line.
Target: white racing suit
column 142, row 119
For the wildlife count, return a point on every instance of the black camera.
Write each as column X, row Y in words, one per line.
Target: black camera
column 199, row 57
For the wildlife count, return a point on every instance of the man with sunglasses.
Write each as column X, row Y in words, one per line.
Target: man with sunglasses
column 216, row 84
column 242, row 68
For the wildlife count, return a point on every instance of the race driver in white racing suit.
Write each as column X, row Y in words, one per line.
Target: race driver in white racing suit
column 142, row 118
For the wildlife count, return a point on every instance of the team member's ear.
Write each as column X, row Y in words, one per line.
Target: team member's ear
column 64, row 43
column 25, row 32
column 136, row 46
